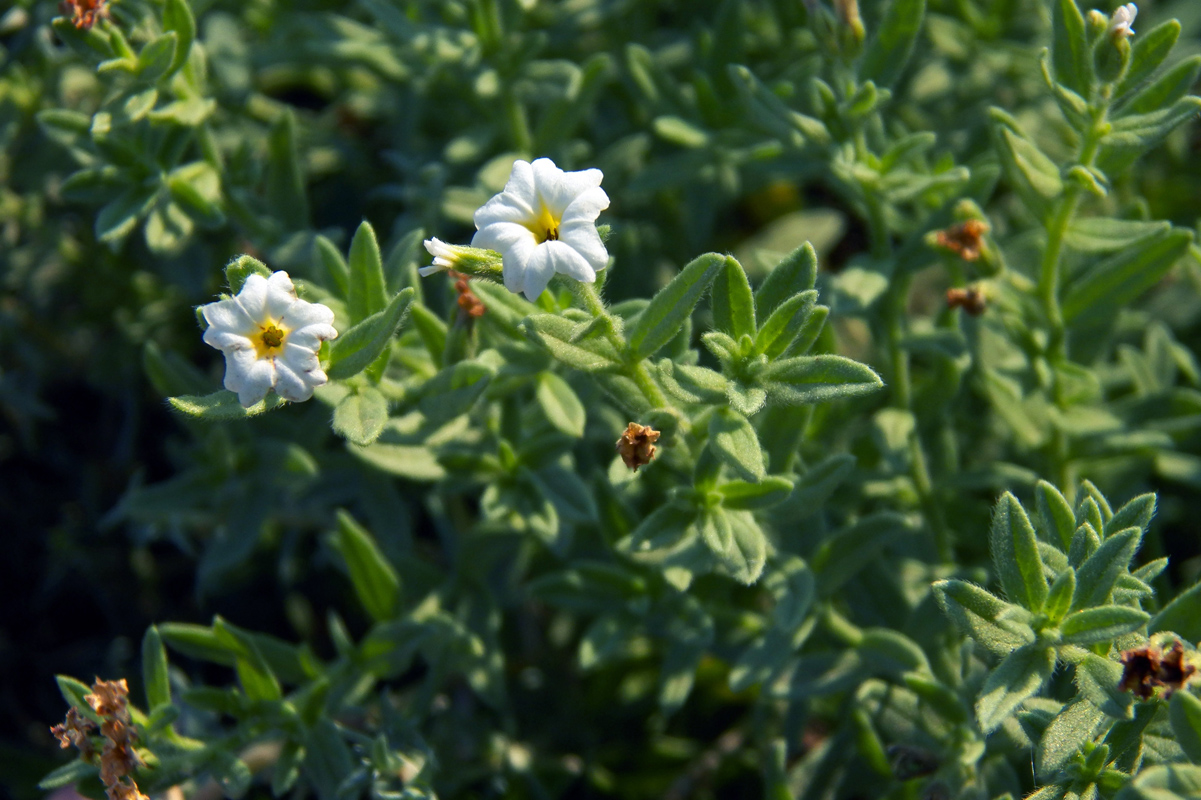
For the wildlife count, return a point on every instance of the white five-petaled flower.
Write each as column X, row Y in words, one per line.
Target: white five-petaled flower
column 1122, row 19
column 542, row 223
column 270, row 338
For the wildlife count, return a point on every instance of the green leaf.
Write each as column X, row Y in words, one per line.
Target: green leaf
column 766, row 112
column 998, row 626
column 223, row 406
column 287, row 768
column 1164, row 782
column 413, row 462
column 1185, row 714
column 1055, row 514
column 1132, row 136
column 1070, row 51
column 375, row 581
column 200, row 642
column 196, row 188
column 556, row 333
column 1182, row 615
column 254, row 673
column 454, row 390
column 328, row 760
column 1122, row 278
column 1101, row 624
column 672, row 305
column 693, row 384
column 433, row 332
column 73, row 692
column 358, row 347
column 1151, row 48
column 560, row 404
column 285, row 175
column 885, row 57
column 785, row 323
column 1096, row 577
column 1015, row 680
column 241, row 268
column 367, row 293
column 795, row 274
column 154, row 670
column 1030, row 172
column 73, row 772
column 743, row 495
column 177, row 17
column 361, row 415
column 841, row 556
column 1107, row 234
column 733, row 440
column 942, row 698
column 120, row 216
column 1136, row 513
column 156, row 56
column 733, row 303
column 335, row 265
column 1098, row 680
column 1165, row 90
column 1015, row 555
column 817, row 379
column 1070, row 729
column 743, row 560
column 1059, row 598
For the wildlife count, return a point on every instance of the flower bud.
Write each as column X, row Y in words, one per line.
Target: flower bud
column 853, row 33
column 1096, row 23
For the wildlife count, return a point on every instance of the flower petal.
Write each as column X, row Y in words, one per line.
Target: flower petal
column 249, row 376
column 302, row 313
column 281, row 296
column 557, row 189
column 290, row 382
column 539, row 269
column 253, row 298
column 227, row 316
column 226, row 340
column 568, row 261
column 585, row 208
column 584, row 239
column 517, row 203
column 516, row 245
column 310, row 337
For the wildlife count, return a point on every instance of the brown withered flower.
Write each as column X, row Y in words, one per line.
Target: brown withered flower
column 971, row 300
column 965, row 239
column 84, row 13
column 468, row 300
column 1147, row 668
column 75, row 730
column 117, row 761
column 109, row 698
column 637, row 445
column 125, row 791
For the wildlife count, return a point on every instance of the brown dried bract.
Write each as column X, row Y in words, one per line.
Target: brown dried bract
column 117, row 761
column 468, row 300
column 109, row 698
column 971, row 300
column 75, row 731
column 964, row 239
column 125, row 791
column 84, row 13
column 637, row 445
column 1148, row 667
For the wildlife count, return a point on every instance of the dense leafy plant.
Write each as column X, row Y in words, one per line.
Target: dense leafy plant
column 947, row 282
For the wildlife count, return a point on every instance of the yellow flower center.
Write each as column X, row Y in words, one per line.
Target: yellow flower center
column 269, row 341
column 545, row 228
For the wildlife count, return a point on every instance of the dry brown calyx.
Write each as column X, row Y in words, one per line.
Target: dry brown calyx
column 118, row 759
column 1147, row 668
column 637, row 445
column 468, row 300
column 971, row 300
column 84, row 13
column 964, row 239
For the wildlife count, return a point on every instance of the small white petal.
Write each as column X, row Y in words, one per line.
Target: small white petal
column 302, row 313
column 586, row 207
column 538, row 271
column 289, row 384
column 557, row 189
column 516, row 244
column 310, row 337
column 281, row 295
column 250, row 377
column 226, row 340
column 425, row 272
column 584, row 239
column 566, row 260
column 253, row 297
column 227, row 316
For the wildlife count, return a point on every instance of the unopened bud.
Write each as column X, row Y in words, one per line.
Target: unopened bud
column 853, row 32
column 472, row 261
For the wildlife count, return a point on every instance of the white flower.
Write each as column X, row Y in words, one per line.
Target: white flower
column 445, row 256
column 542, row 223
column 270, row 338
column 1122, row 19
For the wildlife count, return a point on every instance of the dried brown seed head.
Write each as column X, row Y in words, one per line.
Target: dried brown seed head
column 1147, row 668
column 965, row 239
column 84, row 13
column 971, row 300
column 109, row 698
column 75, row 730
column 117, row 761
column 637, row 445
column 125, row 791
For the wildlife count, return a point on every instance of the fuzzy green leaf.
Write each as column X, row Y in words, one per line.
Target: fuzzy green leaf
column 367, row 293
column 1095, row 578
column 733, row 440
column 361, row 415
column 672, row 305
column 886, row 55
column 1182, row 615
column 560, row 404
column 797, row 273
column 1070, row 51
column 358, row 347
column 1014, row 548
column 1016, row 679
column 998, row 626
column 1122, row 278
column 733, row 303
column 375, row 581
column 1185, row 714
column 1101, row 624
column 817, row 379
column 223, row 406
column 154, row 670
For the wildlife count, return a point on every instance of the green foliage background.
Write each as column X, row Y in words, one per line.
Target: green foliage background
column 135, row 167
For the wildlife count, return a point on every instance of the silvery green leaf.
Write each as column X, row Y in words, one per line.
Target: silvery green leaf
column 732, row 438
column 1101, row 624
column 223, row 406
column 996, row 625
column 1070, row 51
column 1015, row 555
column 1064, row 737
column 816, row 379
column 1030, row 171
column 1096, row 577
column 1165, row 90
column 367, row 292
column 375, row 581
column 1151, row 48
column 745, row 495
column 842, row 555
column 359, row 347
column 1130, row 137
column 1181, row 616
column 797, row 273
column 733, row 303
column 1185, row 712
column 1136, row 513
column 560, row 404
column 1097, row 679
column 1059, row 597
column 1055, row 515
column 887, row 54
column 361, row 415
column 1016, row 679
column 785, row 324
column 672, row 305
column 1164, row 782
column 555, row 333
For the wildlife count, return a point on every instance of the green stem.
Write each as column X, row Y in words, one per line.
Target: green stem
column 636, row 370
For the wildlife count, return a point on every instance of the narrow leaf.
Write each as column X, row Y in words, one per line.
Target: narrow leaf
column 375, row 581
column 672, row 305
